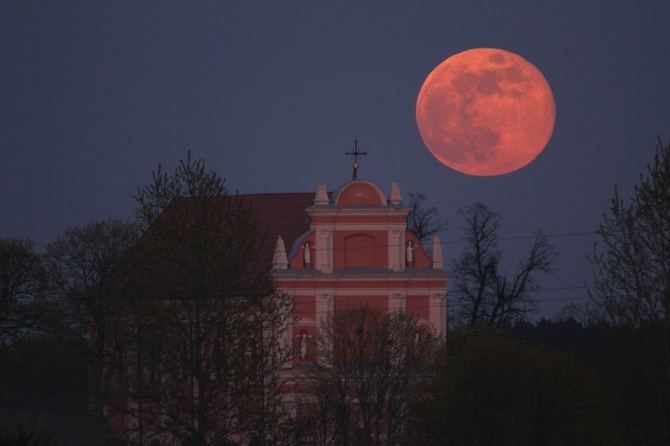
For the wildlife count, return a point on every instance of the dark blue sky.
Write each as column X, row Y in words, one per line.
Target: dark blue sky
column 271, row 94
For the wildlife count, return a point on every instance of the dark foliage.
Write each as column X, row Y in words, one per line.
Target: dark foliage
column 23, row 438
column 24, row 309
column 44, row 389
column 622, row 356
column 490, row 390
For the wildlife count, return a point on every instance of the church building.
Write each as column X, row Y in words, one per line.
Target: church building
column 358, row 250
column 332, row 251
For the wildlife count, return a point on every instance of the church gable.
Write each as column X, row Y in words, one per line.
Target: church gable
column 360, row 193
column 358, row 227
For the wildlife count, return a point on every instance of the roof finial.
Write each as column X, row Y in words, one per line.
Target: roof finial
column 356, row 154
column 394, row 195
column 280, row 261
column 436, row 253
column 321, row 196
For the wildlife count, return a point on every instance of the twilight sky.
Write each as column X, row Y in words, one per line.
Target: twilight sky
column 272, row 94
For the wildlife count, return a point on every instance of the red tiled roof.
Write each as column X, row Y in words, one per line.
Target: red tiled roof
column 279, row 214
column 282, row 215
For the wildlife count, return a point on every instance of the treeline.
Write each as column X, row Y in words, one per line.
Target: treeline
column 629, row 361
column 544, row 383
column 46, row 349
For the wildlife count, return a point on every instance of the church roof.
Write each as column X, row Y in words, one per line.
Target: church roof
column 282, row 214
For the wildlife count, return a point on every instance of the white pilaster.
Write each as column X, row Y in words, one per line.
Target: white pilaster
column 396, row 242
column 324, row 250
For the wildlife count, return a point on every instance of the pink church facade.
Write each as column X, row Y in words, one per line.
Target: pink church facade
column 358, row 250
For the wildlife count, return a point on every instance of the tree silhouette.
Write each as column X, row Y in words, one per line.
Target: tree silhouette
column 367, row 369
column 483, row 293
column 422, row 221
column 631, row 284
column 202, row 359
column 22, row 303
column 83, row 265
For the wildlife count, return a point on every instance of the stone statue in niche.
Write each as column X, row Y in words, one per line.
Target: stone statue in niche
column 307, row 254
column 410, row 253
column 303, row 345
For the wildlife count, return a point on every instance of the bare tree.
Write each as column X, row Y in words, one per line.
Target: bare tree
column 632, row 266
column 367, row 368
column 22, row 302
column 422, row 221
column 189, row 180
column 213, row 333
column 482, row 292
column 632, row 279
column 83, row 265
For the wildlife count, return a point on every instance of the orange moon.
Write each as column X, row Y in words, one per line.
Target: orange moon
column 485, row 112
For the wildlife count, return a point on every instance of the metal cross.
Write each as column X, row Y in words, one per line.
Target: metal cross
column 355, row 154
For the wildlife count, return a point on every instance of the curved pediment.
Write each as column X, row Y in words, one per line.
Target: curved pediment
column 360, row 193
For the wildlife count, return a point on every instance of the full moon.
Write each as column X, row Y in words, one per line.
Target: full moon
column 485, row 112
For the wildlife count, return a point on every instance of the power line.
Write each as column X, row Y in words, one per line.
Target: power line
column 526, row 237
column 567, row 288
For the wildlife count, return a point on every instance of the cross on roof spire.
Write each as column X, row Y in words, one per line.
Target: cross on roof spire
column 355, row 154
